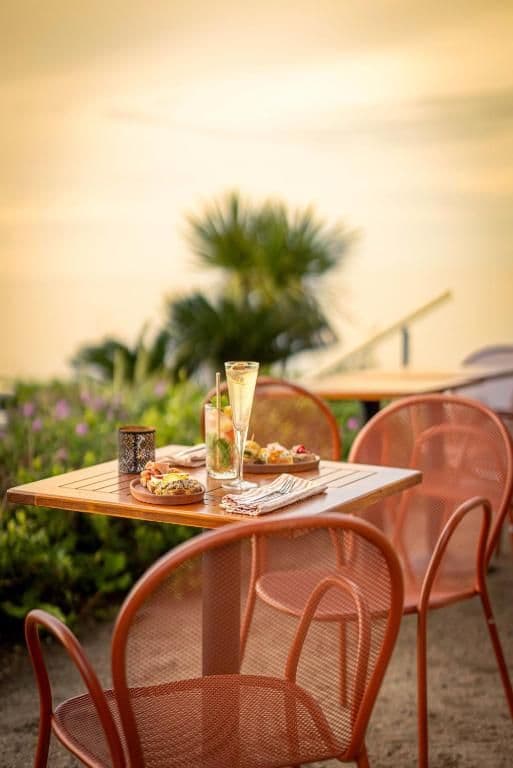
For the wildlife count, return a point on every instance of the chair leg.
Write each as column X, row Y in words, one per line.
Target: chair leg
column 363, row 758
column 422, row 710
column 497, row 647
column 498, row 546
column 43, row 740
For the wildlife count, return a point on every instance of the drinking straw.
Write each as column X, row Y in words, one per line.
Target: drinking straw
column 218, row 414
column 218, row 403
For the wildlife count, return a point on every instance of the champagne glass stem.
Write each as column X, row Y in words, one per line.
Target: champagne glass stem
column 240, row 439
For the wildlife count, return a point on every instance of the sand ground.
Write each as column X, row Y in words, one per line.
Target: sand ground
column 469, row 722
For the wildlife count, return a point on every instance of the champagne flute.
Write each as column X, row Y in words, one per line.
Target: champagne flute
column 241, row 378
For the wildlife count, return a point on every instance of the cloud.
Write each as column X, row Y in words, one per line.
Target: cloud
column 455, row 118
column 65, row 35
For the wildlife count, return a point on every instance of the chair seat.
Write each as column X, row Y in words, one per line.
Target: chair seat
column 289, row 590
column 209, row 722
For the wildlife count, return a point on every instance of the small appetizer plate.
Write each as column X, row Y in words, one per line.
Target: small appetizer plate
column 276, row 469
column 140, row 493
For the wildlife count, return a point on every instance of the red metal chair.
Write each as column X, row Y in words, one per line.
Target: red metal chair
column 290, row 414
column 181, row 696
column 495, row 392
column 446, row 529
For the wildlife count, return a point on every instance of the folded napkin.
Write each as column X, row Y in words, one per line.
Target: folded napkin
column 196, row 456
column 284, row 490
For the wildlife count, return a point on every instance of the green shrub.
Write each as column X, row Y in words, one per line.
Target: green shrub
column 70, row 563
column 349, row 416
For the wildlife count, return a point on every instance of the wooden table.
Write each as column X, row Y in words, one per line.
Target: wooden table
column 102, row 490
column 372, row 385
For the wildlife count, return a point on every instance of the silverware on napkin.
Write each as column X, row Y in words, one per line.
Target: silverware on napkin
column 284, row 490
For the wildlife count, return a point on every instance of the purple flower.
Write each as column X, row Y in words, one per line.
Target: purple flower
column 85, row 398
column 96, row 403
column 160, row 388
column 81, row 428
column 28, row 409
column 61, row 454
column 62, row 409
column 352, row 423
column 37, row 425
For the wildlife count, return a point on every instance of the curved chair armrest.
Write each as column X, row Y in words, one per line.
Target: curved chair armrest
column 38, row 618
column 450, row 527
column 361, row 615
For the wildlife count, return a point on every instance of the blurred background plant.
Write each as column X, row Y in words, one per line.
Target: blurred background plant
column 115, row 361
column 74, row 564
column 270, row 261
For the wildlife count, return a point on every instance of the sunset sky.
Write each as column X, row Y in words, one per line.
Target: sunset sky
column 119, row 118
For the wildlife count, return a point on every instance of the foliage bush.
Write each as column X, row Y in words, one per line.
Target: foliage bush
column 70, row 563
column 348, row 413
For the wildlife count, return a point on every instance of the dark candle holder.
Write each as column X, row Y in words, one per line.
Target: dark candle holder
column 136, row 446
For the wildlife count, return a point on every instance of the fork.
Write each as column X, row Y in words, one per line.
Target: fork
column 285, row 487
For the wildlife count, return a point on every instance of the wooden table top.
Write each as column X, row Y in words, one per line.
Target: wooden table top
column 102, row 490
column 379, row 384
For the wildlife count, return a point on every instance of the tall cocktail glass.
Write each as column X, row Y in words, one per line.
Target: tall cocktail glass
column 241, row 378
column 220, row 440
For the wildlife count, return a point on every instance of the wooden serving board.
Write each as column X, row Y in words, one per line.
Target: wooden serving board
column 141, row 493
column 278, row 469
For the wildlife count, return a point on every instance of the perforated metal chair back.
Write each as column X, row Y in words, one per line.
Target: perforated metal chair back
column 181, row 698
column 463, row 451
column 290, row 414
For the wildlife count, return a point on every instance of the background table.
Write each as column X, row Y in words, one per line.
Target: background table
column 372, row 385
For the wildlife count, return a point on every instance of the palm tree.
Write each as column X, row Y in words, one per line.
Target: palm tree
column 265, row 249
column 204, row 333
column 113, row 360
column 267, row 309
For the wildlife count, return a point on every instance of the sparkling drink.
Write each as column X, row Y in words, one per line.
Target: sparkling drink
column 241, row 378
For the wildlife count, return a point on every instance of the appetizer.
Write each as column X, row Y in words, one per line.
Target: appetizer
column 275, row 453
column 160, row 478
column 154, row 469
column 251, row 450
